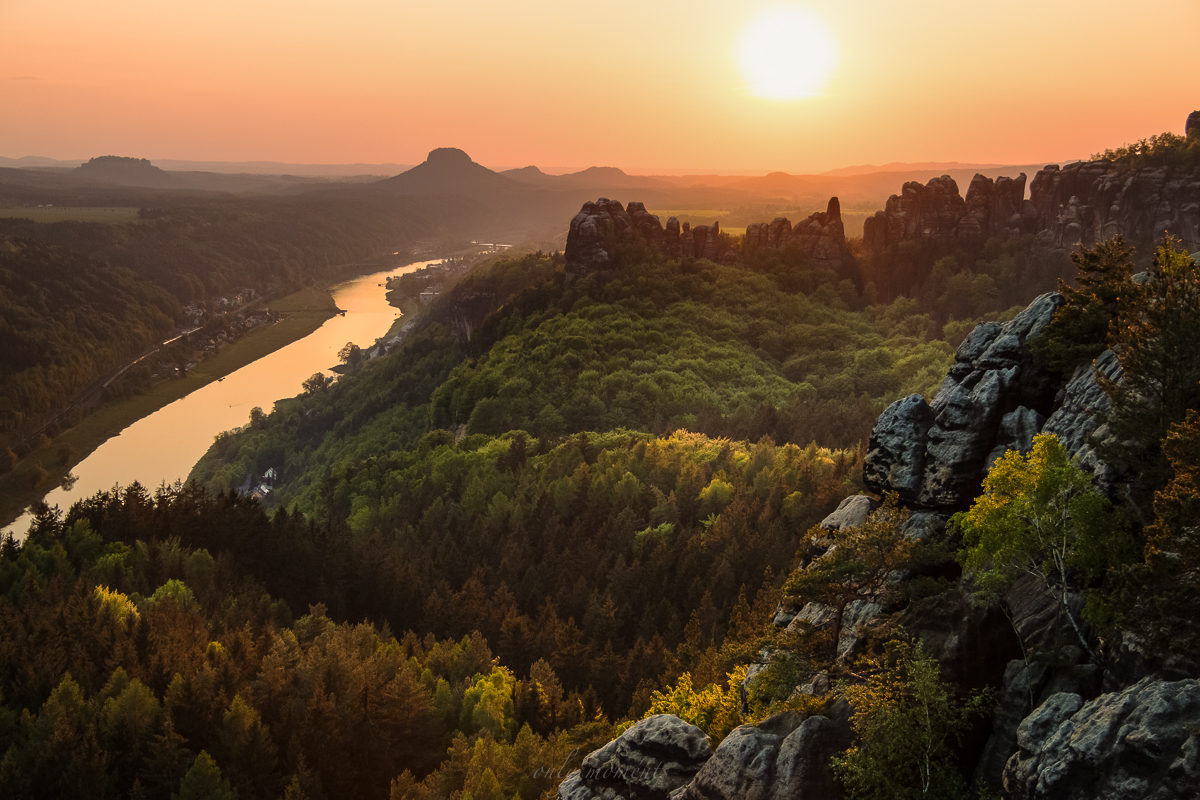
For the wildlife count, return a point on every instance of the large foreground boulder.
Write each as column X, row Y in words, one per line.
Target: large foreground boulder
column 776, row 760
column 1142, row 743
column 647, row 762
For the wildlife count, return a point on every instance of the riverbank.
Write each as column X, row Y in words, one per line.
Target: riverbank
column 301, row 314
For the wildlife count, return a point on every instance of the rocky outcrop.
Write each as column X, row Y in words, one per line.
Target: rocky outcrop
column 896, row 451
column 1056, row 663
column 1192, row 126
column 647, row 762
column 935, row 455
column 821, row 238
column 1081, row 203
column 593, row 233
column 1077, row 417
column 784, row 757
column 1142, row 743
column 780, row 759
column 600, row 227
column 1088, row 202
column 852, row 511
column 972, row 643
column 936, row 211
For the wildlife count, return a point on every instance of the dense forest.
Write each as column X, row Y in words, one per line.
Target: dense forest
column 65, row 320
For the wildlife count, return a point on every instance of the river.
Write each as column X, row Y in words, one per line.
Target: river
column 164, row 446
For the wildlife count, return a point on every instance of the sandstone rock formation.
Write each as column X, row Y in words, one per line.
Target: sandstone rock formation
column 1088, row 202
column 601, row 226
column 821, row 238
column 1077, row 417
column 1080, row 203
column 780, row 759
column 647, row 762
column 592, row 234
column 852, row 511
column 936, row 211
column 1142, row 743
column 934, row 455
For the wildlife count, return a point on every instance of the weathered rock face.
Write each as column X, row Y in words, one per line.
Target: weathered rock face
column 1038, row 616
column 936, row 211
column 934, row 455
column 592, row 234
column 647, row 762
column 972, row 643
column 784, row 757
column 852, row 511
column 1056, row 665
column 1077, row 417
column 705, row 243
column 896, row 452
column 1088, row 202
column 822, row 239
column 600, row 226
column 775, row 761
column 1139, row 744
column 1081, row 203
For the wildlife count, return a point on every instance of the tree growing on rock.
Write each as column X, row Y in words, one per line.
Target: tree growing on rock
column 1163, row 592
column 1040, row 515
column 908, row 723
column 856, row 564
column 1157, row 340
column 1080, row 328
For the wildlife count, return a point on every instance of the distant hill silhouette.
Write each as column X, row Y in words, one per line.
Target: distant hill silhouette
column 127, row 172
column 450, row 172
column 593, row 178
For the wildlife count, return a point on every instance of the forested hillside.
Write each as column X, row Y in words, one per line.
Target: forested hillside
column 197, row 247
column 65, row 320
column 559, row 505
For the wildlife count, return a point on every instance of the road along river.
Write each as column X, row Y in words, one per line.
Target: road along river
column 164, row 446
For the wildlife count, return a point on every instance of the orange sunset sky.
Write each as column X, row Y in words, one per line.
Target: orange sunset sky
column 645, row 86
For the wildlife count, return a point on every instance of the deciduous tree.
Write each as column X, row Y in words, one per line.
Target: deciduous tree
column 1040, row 515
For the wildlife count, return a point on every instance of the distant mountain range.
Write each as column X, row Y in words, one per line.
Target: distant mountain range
column 513, row 201
column 226, row 167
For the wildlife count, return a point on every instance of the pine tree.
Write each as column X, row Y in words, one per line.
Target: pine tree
column 1157, row 340
column 204, row 781
column 1079, row 330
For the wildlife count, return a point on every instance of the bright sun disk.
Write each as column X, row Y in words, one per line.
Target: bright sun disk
column 786, row 53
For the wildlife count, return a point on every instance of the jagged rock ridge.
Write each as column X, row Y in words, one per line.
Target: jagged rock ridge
column 600, row 226
column 993, row 399
column 1081, row 203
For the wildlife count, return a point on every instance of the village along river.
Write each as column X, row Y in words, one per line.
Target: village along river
column 164, row 446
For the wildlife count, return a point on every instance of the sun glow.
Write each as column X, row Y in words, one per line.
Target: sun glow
column 786, row 53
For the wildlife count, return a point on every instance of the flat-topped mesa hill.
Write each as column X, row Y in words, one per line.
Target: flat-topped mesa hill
column 1081, row 203
column 601, row 226
column 125, row 171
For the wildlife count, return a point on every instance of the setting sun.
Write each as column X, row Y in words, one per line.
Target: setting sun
column 786, row 53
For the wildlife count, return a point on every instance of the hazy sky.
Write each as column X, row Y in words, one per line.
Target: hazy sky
column 640, row 85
